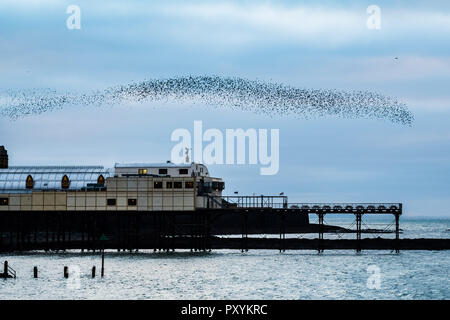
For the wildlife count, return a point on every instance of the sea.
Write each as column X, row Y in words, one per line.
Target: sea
column 231, row 274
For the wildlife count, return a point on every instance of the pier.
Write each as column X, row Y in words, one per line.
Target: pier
column 226, row 223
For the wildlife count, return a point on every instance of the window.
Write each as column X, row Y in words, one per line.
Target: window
column 132, row 202
column 65, row 182
column 4, row 201
column 142, row 171
column 183, row 171
column 177, row 185
column 169, row 185
column 111, row 202
column 162, row 171
column 189, row 184
column 101, row 180
column 29, row 183
column 216, row 185
column 157, row 185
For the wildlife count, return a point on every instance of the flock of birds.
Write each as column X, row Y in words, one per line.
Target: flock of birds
column 215, row 91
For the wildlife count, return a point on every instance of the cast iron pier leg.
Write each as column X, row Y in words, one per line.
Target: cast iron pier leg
column 397, row 233
column 320, row 215
column 282, row 231
column 244, row 232
column 358, row 231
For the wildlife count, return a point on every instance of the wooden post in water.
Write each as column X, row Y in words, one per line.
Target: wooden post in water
column 103, row 261
column 5, row 269
column 66, row 272
column 93, row 272
column 35, row 272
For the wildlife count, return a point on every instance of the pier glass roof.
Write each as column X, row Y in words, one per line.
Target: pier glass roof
column 14, row 179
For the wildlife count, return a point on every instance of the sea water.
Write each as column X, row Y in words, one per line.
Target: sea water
column 230, row 274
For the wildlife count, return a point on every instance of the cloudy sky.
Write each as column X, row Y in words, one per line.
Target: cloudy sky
column 307, row 44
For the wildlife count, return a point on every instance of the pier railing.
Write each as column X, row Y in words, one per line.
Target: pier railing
column 340, row 208
column 252, row 201
column 281, row 202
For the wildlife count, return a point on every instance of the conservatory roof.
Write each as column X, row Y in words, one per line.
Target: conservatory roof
column 13, row 179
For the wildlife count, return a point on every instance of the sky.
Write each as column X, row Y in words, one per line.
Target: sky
column 306, row 44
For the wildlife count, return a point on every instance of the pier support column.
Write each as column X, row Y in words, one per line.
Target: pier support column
column 397, row 233
column 244, row 232
column 320, row 216
column 46, row 232
column 358, row 231
column 282, row 230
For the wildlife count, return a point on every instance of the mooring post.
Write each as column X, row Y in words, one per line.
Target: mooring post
column 66, row 272
column 5, row 269
column 103, row 261
column 93, row 272
column 35, row 272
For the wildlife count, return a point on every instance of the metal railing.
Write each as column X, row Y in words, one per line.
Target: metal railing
column 253, row 201
column 281, row 202
column 340, row 208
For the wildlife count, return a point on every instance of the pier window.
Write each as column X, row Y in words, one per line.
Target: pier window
column 158, row 185
column 65, row 182
column 169, row 185
column 189, row 184
column 101, row 180
column 111, row 202
column 132, row 202
column 4, row 201
column 177, row 185
column 162, row 171
column 142, row 171
column 218, row 186
column 183, row 171
column 30, row 182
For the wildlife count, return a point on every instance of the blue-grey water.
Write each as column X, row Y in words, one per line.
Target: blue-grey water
column 230, row 274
